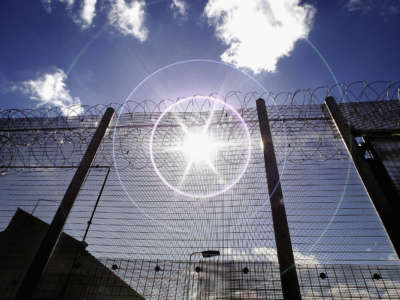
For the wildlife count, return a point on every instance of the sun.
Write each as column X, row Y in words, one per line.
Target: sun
column 199, row 148
column 192, row 152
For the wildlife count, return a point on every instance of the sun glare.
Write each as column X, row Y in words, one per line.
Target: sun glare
column 199, row 148
column 201, row 145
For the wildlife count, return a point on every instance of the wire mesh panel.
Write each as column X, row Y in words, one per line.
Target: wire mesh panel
column 149, row 232
column 331, row 218
column 388, row 151
column 218, row 279
column 349, row 281
column 39, row 191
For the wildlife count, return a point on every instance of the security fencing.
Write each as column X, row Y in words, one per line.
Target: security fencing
column 133, row 222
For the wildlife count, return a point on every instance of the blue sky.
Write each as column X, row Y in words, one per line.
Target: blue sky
column 85, row 52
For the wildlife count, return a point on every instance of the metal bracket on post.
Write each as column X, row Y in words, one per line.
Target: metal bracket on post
column 32, row 277
column 289, row 281
column 385, row 204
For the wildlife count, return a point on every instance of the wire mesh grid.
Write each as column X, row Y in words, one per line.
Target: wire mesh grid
column 203, row 280
column 331, row 219
column 388, row 151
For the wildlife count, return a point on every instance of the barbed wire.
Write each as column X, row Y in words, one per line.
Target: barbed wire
column 330, row 217
column 47, row 137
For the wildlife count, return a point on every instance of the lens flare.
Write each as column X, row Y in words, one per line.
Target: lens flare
column 200, row 150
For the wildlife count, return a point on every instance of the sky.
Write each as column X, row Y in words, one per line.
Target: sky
column 57, row 53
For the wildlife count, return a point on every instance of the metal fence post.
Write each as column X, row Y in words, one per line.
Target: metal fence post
column 32, row 277
column 289, row 281
column 387, row 205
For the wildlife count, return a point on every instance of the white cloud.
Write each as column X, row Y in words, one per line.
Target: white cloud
column 88, row 12
column 47, row 4
column 383, row 8
column 179, row 7
column 270, row 254
column 50, row 90
column 353, row 5
column 68, row 2
column 259, row 32
column 267, row 254
column 129, row 18
column 341, row 287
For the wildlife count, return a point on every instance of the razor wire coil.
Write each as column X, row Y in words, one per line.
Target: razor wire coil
column 48, row 137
